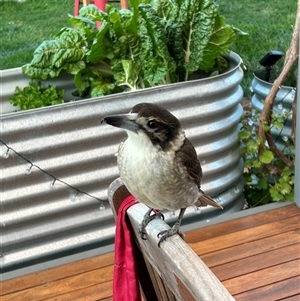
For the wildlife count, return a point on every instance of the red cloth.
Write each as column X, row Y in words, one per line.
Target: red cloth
column 125, row 283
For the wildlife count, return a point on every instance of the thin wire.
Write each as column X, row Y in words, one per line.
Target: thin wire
column 55, row 179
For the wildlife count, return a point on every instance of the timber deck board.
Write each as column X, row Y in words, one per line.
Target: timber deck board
column 256, row 257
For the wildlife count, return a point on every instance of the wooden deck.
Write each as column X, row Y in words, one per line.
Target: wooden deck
column 256, row 257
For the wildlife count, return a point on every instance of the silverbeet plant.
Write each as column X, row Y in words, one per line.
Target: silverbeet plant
column 155, row 42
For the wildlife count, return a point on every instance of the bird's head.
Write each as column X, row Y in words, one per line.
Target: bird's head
column 158, row 124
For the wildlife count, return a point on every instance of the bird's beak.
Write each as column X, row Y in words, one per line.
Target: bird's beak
column 124, row 121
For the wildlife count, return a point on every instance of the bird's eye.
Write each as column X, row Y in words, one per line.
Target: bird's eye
column 152, row 124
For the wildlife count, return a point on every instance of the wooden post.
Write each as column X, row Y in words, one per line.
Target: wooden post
column 297, row 149
column 124, row 4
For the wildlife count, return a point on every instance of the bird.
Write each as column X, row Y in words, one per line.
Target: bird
column 158, row 164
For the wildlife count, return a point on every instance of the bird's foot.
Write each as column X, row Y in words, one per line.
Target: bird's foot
column 163, row 235
column 146, row 220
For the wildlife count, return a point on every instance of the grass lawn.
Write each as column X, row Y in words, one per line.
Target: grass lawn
column 270, row 27
column 24, row 25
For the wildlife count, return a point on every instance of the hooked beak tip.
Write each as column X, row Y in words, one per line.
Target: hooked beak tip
column 125, row 121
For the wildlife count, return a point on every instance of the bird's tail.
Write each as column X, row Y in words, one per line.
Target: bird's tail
column 205, row 200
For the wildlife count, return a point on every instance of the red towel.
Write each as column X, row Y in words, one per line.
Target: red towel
column 125, row 283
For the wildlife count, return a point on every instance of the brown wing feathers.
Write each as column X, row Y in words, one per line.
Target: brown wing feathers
column 188, row 157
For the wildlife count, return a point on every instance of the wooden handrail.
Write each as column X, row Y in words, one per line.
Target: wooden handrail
column 177, row 273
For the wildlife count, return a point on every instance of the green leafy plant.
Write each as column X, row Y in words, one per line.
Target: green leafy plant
column 156, row 42
column 267, row 177
column 36, row 96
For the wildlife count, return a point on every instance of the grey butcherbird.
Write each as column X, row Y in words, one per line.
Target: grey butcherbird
column 158, row 164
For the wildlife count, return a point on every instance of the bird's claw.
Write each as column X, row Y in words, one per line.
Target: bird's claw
column 163, row 235
column 146, row 220
column 143, row 235
column 159, row 215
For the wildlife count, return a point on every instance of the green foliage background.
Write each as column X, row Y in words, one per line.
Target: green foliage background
column 24, row 25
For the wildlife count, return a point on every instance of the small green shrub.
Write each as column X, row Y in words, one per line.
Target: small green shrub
column 36, row 96
column 267, row 178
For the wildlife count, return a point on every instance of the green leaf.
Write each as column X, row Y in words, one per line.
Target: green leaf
column 252, row 147
column 290, row 196
column 266, row 127
column 239, row 34
column 195, row 27
column 277, row 124
column 167, row 10
column 158, row 65
column 36, row 96
column 126, row 74
column 81, row 22
column 81, row 84
column 244, row 134
column 256, row 163
column 263, row 183
column 99, row 49
column 102, row 87
column 248, row 164
column 285, row 188
column 286, row 173
column 88, row 80
column 276, row 196
column 198, row 35
column 75, row 67
column 91, row 12
column 86, row 22
column 220, row 39
column 40, row 73
column 118, row 43
column 65, row 52
column 266, row 157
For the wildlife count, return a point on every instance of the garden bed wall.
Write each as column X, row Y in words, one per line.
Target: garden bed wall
column 51, row 157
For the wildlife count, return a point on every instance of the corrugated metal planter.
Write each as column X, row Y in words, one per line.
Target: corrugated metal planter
column 283, row 103
column 45, row 212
